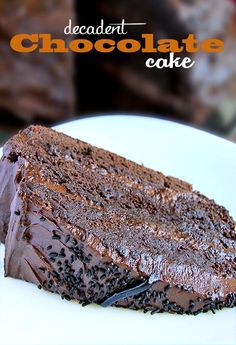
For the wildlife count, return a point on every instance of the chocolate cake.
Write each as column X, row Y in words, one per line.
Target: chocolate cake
column 95, row 227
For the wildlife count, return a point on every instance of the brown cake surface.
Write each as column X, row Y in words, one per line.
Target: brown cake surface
column 88, row 224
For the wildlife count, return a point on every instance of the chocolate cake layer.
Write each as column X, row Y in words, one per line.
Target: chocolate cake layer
column 95, row 227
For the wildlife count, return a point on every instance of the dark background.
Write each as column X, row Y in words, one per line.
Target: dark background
column 52, row 88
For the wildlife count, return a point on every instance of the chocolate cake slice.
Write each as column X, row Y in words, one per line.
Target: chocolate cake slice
column 95, row 227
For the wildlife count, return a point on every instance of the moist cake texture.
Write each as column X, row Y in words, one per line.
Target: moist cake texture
column 95, row 227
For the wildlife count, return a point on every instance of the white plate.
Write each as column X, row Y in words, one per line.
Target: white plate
column 30, row 316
